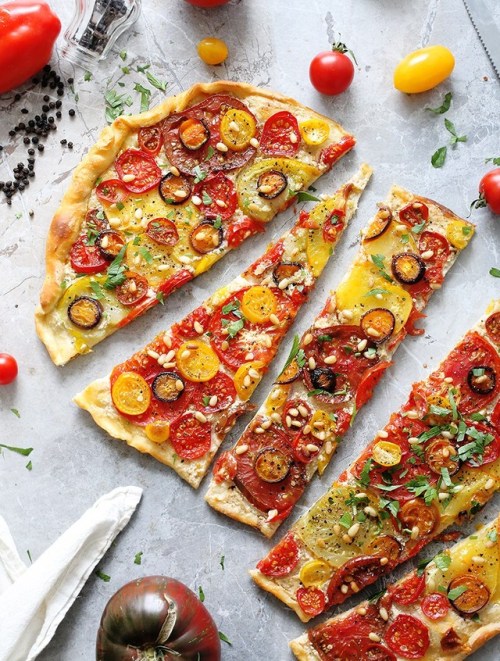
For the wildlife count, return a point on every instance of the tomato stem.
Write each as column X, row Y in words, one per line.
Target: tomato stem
column 342, row 48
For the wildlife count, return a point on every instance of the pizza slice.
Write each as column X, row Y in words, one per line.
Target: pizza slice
column 436, row 462
column 177, row 398
column 164, row 195
column 447, row 609
column 405, row 254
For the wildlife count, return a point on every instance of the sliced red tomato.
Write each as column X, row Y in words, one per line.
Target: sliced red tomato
column 280, row 135
column 222, row 387
column 186, row 328
column 241, row 229
column 96, row 220
column 264, row 495
column 332, row 153
column 414, row 317
column 333, row 225
column 208, row 158
column 495, row 417
column 249, row 337
column 368, row 382
column 492, row 326
column 150, row 139
column 111, row 191
column 282, row 559
column 409, row 591
column 133, row 289
column 218, row 196
column 362, row 570
column 225, row 467
column 473, row 352
column 414, row 213
column 311, row 600
column 85, row 258
column 291, row 413
column 190, row 438
column 300, row 450
column 163, row 231
column 137, row 163
column 408, row 637
column 435, row 606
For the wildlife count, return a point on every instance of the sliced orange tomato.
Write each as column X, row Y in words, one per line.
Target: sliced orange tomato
column 327, row 425
column 158, row 432
column 247, row 378
column 258, row 304
column 315, row 572
column 131, row 394
column 197, row 361
column 386, row 453
column 314, row 132
column 237, row 128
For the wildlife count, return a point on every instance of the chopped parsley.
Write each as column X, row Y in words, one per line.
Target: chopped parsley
column 438, row 157
column 293, row 352
column 224, row 638
column 378, row 260
column 96, row 288
column 218, row 223
column 138, row 558
column 346, row 520
column 456, row 592
column 495, row 272
column 116, row 271
column 145, row 96
column 201, row 594
column 104, row 577
column 495, row 161
column 25, row 452
column 206, row 400
column 16, row 413
column 420, row 487
column 160, row 297
column 221, row 561
column 325, row 338
column 233, row 328
column 87, row 76
column 364, row 476
column 377, row 291
column 29, row 465
column 418, row 227
column 492, row 535
column 159, row 84
column 199, row 174
column 206, row 198
column 442, row 560
column 430, row 433
column 318, row 391
column 450, row 127
column 422, row 565
column 123, row 55
column 146, row 255
column 210, row 153
column 304, row 196
column 391, row 505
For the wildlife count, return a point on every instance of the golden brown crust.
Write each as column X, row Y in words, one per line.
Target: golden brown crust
column 303, row 650
column 70, row 215
column 283, row 595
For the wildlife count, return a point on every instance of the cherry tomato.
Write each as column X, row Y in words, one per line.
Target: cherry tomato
column 207, row 3
column 423, row 69
column 489, row 191
column 282, row 559
column 435, row 606
column 132, row 290
column 163, row 231
column 407, row 592
column 212, row 50
column 150, row 139
column 221, row 387
column 280, row 135
column 408, row 637
column 331, row 72
column 111, row 191
column 311, row 600
column 87, row 259
column 140, row 165
column 8, row 369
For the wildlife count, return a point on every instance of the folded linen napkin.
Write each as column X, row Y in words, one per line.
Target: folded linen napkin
column 34, row 600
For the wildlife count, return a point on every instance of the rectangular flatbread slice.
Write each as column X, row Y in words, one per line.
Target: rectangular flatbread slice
column 405, row 253
column 446, row 611
column 435, row 463
column 164, row 195
column 178, row 398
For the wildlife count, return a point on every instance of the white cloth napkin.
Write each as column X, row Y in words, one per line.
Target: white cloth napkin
column 34, row 600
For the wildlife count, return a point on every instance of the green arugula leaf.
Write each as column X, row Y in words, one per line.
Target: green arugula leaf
column 160, row 85
column 456, row 592
column 201, row 594
column 224, row 638
column 104, row 577
column 25, row 452
column 438, row 157
column 138, row 558
column 444, row 107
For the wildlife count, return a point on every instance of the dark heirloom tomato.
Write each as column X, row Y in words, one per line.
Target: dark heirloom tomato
column 140, row 165
column 150, row 139
column 85, row 312
column 280, row 135
column 85, row 258
column 282, row 559
column 190, row 438
column 408, row 637
column 174, row 189
column 110, row 243
column 363, row 571
column 474, row 596
column 414, row 213
column 379, row 224
column 435, row 606
column 218, row 196
column 378, row 324
column 111, row 191
column 415, row 513
column 133, row 289
column 156, row 617
column 438, row 245
column 206, row 237
column 241, row 229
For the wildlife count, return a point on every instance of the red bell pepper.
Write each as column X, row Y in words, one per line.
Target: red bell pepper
column 28, row 30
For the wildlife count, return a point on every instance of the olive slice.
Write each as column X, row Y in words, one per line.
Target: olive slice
column 193, row 134
column 206, row 237
column 323, row 378
column 165, row 386
column 416, row 514
column 285, row 271
column 492, row 326
column 378, row 324
column 85, row 312
column 440, row 454
column 379, row 224
column 289, row 374
column 482, row 379
column 174, row 189
column 110, row 243
column 475, row 596
column 270, row 184
column 272, row 465
column 385, row 546
column 407, row 267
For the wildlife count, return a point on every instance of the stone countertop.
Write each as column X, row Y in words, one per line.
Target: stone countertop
column 74, row 462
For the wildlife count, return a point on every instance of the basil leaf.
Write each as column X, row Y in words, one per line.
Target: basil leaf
column 438, row 157
column 444, row 107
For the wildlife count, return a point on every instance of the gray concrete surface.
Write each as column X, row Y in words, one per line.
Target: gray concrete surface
column 271, row 44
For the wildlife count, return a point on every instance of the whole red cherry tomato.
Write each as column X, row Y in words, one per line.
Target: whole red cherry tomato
column 207, row 3
column 8, row 369
column 331, row 72
column 489, row 191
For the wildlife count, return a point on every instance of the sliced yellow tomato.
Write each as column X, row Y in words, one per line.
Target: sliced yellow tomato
column 315, row 572
column 459, row 233
column 386, row 453
column 423, row 69
column 318, row 251
column 390, row 243
column 247, row 378
column 353, row 294
column 276, row 400
column 322, row 423
column 197, row 361
column 237, row 128
column 314, row 132
column 158, row 432
column 131, row 393
column 258, row 304
column 206, row 262
column 298, row 175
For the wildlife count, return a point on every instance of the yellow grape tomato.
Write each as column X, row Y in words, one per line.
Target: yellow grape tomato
column 423, row 69
column 212, row 50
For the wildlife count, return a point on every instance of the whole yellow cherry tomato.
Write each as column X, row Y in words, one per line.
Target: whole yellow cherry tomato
column 212, row 50
column 423, row 69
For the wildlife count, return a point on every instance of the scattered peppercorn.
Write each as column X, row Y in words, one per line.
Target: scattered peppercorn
column 70, row 145
column 72, row 112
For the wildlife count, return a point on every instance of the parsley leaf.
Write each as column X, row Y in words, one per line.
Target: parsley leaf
column 231, row 307
column 160, row 85
column 304, row 196
column 145, row 96
column 146, row 255
column 450, row 127
column 442, row 560
column 420, row 487
column 116, row 270
column 234, row 328
column 96, row 288
column 199, row 174
column 123, row 55
column 495, row 272
column 378, row 260
column 438, row 157
column 444, row 107
column 29, row 466
column 346, row 520
column 206, row 198
column 364, row 476
column 495, row 161
column 293, row 352
column 422, row 565
column 218, row 223
column 456, row 592
column 87, row 76
column 25, row 452
column 224, row 638
column 104, row 577
column 493, row 536
column 376, row 291
column 16, row 413
column 391, row 505
column 138, row 558
column 160, row 297
column 221, row 561
column 430, row 433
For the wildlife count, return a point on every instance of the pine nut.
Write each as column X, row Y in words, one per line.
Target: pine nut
column 220, row 146
column 200, row 416
column 153, row 354
column 213, row 400
column 174, row 171
column 196, row 200
column 330, row 360
column 198, row 327
column 241, row 449
column 308, row 338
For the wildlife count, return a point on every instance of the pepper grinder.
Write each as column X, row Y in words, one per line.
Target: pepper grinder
column 95, row 27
